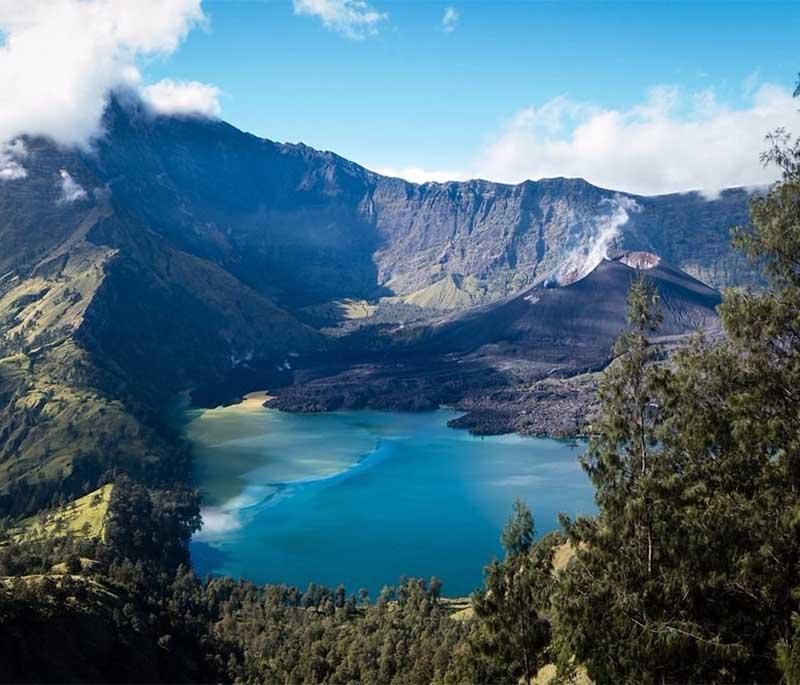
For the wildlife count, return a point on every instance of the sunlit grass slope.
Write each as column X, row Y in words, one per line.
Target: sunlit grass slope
column 83, row 517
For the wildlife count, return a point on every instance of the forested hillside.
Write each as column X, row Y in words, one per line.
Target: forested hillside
column 506, row 391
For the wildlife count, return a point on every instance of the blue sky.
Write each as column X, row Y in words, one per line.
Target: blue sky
column 645, row 97
column 412, row 94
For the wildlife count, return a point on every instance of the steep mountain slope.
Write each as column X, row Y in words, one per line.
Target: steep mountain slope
column 101, row 320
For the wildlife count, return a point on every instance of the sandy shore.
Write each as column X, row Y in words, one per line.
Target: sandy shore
column 255, row 400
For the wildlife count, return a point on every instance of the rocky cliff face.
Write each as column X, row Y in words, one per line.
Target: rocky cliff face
column 305, row 227
column 508, row 237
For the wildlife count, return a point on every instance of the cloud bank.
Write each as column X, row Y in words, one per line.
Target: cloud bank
column 417, row 174
column 59, row 59
column 670, row 142
column 354, row 19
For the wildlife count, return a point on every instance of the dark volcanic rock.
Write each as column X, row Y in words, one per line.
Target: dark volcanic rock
column 558, row 407
column 528, row 364
column 575, row 324
column 413, row 384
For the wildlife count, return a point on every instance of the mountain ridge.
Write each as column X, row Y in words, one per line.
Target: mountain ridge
column 331, row 177
column 402, row 236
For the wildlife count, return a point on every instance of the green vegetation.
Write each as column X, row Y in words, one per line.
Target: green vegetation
column 63, row 433
column 688, row 574
column 62, row 422
column 338, row 310
column 83, row 517
column 448, row 293
column 511, row 635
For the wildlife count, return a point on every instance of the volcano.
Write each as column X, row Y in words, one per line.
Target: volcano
column 577, row 323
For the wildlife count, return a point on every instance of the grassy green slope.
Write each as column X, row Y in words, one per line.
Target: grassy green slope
column 83, row 517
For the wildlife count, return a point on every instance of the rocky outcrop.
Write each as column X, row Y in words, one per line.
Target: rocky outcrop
column 508, row 237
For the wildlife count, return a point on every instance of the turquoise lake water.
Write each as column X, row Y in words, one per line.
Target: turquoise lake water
column 363, row 497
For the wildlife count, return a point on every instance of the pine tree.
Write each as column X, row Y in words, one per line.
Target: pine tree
column 511, row 636
column 764, row 329
column 625, row 608
column 689, row 572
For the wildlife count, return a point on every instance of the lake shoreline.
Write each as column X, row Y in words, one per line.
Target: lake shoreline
column 539, row 399
column 256, row 399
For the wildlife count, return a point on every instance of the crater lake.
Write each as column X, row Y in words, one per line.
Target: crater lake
column 362, row 498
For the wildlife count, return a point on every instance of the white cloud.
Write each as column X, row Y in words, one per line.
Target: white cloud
column 450, row 19
column 670, row 142
column 419, row 175
column 71, row 190
column 60, row 58
column 10, row 167
column 11, row 170
column 354, row 19
column 182, row 97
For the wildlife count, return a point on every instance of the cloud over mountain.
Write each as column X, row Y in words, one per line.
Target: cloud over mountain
column 71, row 190
column 182, row 97
column 670, row 142
column 60, row 58
column 417, row 174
